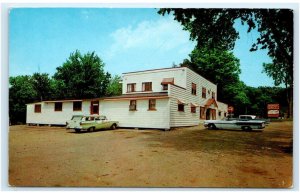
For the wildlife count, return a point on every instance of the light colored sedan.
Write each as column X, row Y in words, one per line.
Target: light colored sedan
column 90, row 123
column 234, row 124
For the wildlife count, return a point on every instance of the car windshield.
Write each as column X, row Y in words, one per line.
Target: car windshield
column 76, row 118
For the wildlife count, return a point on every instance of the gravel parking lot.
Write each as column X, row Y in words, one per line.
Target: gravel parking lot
column 183, row 157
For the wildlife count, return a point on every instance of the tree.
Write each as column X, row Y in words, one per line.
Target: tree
column 115, row 87
column 222, row 68
column 82, row 76
column 21, row 92
column 213, row 28
column 42, row 85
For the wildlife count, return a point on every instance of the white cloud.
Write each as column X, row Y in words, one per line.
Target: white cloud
column 164, row 34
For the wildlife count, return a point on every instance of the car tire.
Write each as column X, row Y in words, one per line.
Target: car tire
column 77, row 130
column 114, row 126
column 92, row 129
column 211, row 127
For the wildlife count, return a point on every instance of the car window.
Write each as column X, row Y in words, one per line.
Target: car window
column 76, row 118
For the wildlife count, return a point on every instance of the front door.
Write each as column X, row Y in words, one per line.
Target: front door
column 94, row 107
column 207, row 114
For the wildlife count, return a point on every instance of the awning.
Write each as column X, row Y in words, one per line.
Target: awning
column 168, row 81
column 180, row 102
column 210, row 102
column 194, row 105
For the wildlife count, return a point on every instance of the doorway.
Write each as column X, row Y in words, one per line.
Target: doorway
column 207, row 114
column 94, row 107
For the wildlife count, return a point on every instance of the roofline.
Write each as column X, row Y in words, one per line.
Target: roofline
column 157, row 69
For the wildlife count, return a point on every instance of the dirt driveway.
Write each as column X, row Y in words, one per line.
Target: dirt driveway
column 186, row 157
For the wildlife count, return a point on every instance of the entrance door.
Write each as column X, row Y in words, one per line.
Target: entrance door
column 94, row 107
column 213, row 114
column 207, row 114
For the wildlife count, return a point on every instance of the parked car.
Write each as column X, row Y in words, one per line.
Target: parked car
column 90, row 123
column 228, row 123
column 253, row 117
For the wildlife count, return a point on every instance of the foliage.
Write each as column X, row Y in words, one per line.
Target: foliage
column 115, row 87
column 222, row 68
column 82, row 76
column 42, row 85
column 213, row 28
column 21, row 92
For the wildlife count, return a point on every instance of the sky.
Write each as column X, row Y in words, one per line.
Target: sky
column 41, row 39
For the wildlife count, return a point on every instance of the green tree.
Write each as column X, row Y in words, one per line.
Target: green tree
column 115, row 86
column 21, row 92
column 223, row 69
column 214, row 28
column 81, row 76
column 42, row 85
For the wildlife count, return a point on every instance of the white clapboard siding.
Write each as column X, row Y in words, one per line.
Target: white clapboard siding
column 118, row 110
column 184, row 94
column 154, row 76
column 51, row 117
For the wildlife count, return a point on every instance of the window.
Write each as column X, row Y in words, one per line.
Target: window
column 181, row 107
column 194, row 89
column 202, row 114
column 58, row 106
column 193, row 109
column 220, row 113
column 165, row 86
column 77, row 105
column 132, row 106
column 131, row 87
column 147, row 86
column 213, row 95
column 152, row 104
column 204, row 92
column 225, row 114
column 38, row 108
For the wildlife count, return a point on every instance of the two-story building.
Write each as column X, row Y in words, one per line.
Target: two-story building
column 159, row 98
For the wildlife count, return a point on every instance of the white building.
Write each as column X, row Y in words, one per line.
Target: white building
column 159, row 98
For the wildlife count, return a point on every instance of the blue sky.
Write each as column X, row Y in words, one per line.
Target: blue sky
column 125, row 39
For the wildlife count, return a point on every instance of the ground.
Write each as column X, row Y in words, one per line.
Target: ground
column 183, row 157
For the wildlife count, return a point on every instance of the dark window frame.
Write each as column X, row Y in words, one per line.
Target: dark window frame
column 213, row 95
column 193, row 109
column 37, row 108
column 152, row 106
column 180, row 107
column 76, row 106
column 204, row 92
column 59, row 107
column 165, row 86
column 146, row 86
column 131, row 87
column 194, row 89
column 202, row 112
column 132, row 105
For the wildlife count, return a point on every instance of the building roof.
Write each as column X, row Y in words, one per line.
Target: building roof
column 210, row 102
column 157, row 69
column 138, row 96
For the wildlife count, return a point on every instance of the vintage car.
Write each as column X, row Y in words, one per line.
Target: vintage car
column 90, row 123
column 229, row 123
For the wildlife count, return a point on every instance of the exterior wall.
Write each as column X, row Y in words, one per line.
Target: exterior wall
column 184, row 94
column 186, row 118
column 155, row 77
column 118, row 110
column 49, row 116
column 223, row 108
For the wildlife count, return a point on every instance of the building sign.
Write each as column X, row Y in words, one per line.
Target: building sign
column 273, row 110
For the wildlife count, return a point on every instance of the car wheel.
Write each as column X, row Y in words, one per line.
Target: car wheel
column 211, row 126
column 114, row 126
column 77, row 130
column 92, row 129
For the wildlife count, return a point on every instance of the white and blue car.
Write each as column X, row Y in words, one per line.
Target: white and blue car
column 229, row 123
